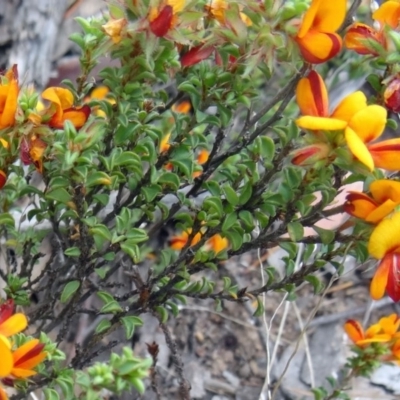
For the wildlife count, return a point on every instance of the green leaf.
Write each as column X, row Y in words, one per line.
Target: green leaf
column 151, row 192
column 231, row 195
column 315, row 282
column 69, row 289
column 97, row 178
column 73, row 252
column 245, row 193
column 111, row 308
column 170, row 179
column 129, row 323
column 326, row 236
column 267, row 148
column 103, row 325
column 296, row 231
column 50, row 394
column 163, row 313
column 229, row 221
column 132, row 250
column 59, row 194
column 7, row 219
column 260, row 308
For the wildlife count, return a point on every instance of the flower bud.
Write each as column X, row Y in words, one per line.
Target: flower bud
column 161, row 24
column 3, row 178
column 392, row 95
column 309, row 155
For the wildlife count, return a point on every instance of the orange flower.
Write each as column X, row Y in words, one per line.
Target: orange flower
column 8, row 97
column 114, row 27
column 316, row 37
column 26, row 358
column 202, row 158
column 388, row 14
column 386, row 154
column 163, row 18
column 183, row 107
column 99, row 93
column 217, row 243
column 11, row 324
column 360, row 123
column 384, row 331
column 385, row 197
column 384, row 245
column 62, row 109
column 178, row 242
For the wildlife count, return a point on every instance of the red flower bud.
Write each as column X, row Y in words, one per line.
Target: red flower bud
column 195, row 55
column 392, row 95
column 309, row 155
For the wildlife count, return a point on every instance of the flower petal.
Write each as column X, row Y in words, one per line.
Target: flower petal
column 393, row 283
column 384, row 189
column 386, row 154
column 320, row 123
column 326, row 16
column 354, row 330
column 388, row 14
column 381, row 212
column 6, row 363
column 358, row 148
column 369, row 123
column 359, row 205
column 15, row 324
column 60, row 96
column 317, row 47
column 349, row 106
column 312, row 96
column 380, row 279
column 10, row 107
column 385, row 238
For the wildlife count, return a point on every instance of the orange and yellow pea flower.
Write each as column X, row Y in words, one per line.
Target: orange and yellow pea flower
column 26, row 358
column 62, row 108
column 386, row 330
column 360, row 122
column 9, row 91
column 317, row 37
column 163, row 18
column 217, row 243
column 385, row 197
column 384, row 245
column 388, row 14
column 10, row 323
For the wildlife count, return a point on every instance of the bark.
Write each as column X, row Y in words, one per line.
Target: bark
column 28, row 36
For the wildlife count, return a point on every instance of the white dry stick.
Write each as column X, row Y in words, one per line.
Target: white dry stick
column 265, row 391
column 33, row 395
column 306, row 346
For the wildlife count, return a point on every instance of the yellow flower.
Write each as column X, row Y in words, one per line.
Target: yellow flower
column 114, row 27
column 217, row 9
column 178, row 242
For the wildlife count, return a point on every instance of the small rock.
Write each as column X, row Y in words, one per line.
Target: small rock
column 231, row 378
column 387, row 376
